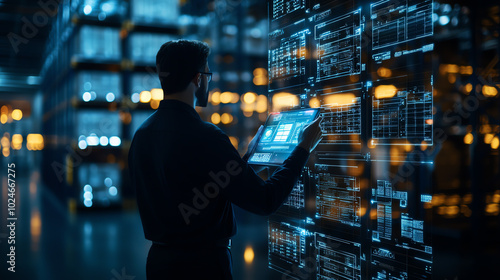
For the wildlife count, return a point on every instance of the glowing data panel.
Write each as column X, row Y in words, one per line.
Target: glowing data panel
column 282, row 8
column 337, row 258
column 337, row 198
column 287, row 58
column 339, row 45
column 287, row 246
column 399, row 21
column 402, row 111
column 400, row 263
column 341, row 112
column 400, row 247
column 295, row 205
column 296, row 197
column 366, row 66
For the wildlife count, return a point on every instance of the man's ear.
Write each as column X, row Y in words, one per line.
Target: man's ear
column 197, row 80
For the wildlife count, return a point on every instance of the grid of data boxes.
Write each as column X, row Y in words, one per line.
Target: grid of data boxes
column 358, row 210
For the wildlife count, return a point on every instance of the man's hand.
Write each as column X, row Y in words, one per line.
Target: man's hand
column 311, row 135
column 251, row 145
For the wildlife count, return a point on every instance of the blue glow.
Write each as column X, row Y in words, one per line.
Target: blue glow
column 82, row 144
column 108, row 182
column 426, row 198
column 88, row 195
column 444, row 20
column 86, row 96
column 92, row 140
column 113, row 191
column 87, row 202
column 33, row 80
column 103, row 141
column 115, row 141
column 135, row 97
column 110, row 97
column 401, row 117
column 446, row 8
column 87, row 9
column 435, row 17
column 87, row 188
column 101, row 16
column 107, row 7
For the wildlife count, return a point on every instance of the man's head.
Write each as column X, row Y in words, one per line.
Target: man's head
column 179, row 63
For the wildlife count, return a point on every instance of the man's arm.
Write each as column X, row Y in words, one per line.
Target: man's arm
column 243, row 186
column 253, row 143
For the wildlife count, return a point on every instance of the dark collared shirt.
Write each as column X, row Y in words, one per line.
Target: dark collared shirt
column 187, row 174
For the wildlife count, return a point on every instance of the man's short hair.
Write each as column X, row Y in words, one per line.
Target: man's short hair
column 178, row 61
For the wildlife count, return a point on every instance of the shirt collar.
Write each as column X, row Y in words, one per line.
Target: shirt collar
column 171, row 104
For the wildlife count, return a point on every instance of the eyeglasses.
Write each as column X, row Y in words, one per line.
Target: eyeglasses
column 209, row 75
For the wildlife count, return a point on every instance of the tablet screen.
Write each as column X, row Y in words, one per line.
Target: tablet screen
column 280, row 136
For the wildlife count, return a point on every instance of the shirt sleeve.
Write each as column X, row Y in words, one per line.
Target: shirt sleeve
column 242, row 186
column 246, row 156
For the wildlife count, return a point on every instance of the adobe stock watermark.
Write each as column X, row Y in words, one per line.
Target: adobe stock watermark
column 305, row 272
column 224, row 7
column 210, row 190
column 11, row 220
column 30, row 28
column 452, row 117
column 310, row 264
column 121, row 276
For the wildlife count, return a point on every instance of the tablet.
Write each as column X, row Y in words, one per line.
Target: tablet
column 280, row 136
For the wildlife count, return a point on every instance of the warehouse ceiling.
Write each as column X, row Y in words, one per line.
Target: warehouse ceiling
column 24, row 27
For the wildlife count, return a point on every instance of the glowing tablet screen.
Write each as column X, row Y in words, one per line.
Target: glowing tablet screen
column 280, row 136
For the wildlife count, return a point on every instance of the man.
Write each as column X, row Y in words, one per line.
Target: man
column 187, row 174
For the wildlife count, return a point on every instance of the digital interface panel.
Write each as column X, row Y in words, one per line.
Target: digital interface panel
column 283, row 8
column 341, row 113
column 396, row 21
column 338, row 199
column 296, row 197
column 287, row 246
column 407, row 114
column 287, row 58
column 339, row 45
column 280, row 135
column 400, row 246
column 357, row 211
column 337, row 258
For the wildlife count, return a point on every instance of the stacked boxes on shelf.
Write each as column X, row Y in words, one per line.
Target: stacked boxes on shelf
column 100, row 58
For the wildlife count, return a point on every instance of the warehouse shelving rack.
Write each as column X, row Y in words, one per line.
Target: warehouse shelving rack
column 69, row 156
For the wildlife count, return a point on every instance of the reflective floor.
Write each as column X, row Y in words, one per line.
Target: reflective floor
column 52, row 243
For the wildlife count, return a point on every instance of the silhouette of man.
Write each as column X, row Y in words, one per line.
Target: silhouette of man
column 187, row 174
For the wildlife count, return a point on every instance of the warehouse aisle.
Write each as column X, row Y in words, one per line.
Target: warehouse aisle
column 53, row 244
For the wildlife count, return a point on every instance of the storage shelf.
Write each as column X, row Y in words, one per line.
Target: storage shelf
column 78, row 20
column 163, row 28
column 112, row 65
column 79, row 44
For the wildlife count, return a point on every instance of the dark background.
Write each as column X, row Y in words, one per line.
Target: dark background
column 58, row 67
